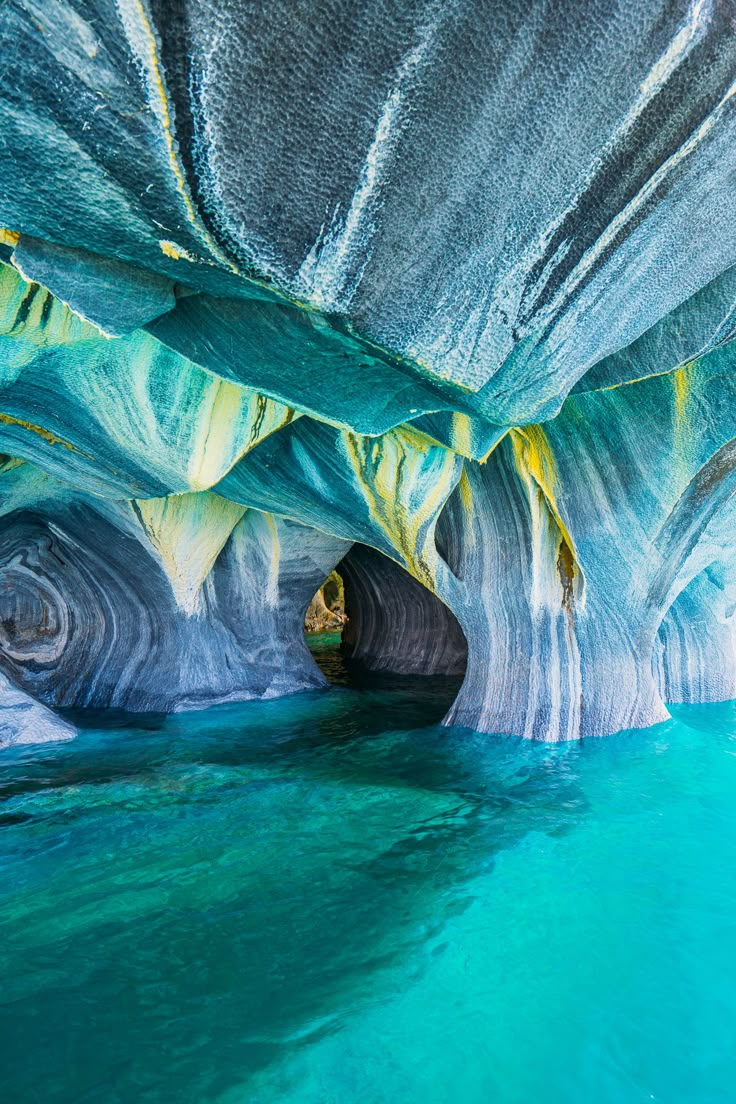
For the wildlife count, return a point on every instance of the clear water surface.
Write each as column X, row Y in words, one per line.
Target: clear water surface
column 330, row 900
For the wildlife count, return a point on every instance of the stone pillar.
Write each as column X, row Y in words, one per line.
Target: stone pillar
column 548, row 658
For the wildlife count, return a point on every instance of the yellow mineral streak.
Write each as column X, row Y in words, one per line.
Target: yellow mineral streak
column 32, row 313
column 46, row 434
column 681, row 380
column 466, row 493
column 467, row 504
column 9, row 237
column 682, row 440
column 164, row 113
column 461, row 437
column 535, row 461
column 188, row 531
column 231, row 420
column 10, row 464
column 640, row 379
column 221, row 434
column 532, row 453
column 405, row 482
column 176, row 252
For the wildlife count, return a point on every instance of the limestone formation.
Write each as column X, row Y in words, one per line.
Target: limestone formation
column 451, row 284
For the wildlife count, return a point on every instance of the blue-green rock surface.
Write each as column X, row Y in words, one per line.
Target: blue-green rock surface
column 449, row 281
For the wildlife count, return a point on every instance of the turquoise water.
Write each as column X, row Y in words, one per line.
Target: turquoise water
column 329, row 899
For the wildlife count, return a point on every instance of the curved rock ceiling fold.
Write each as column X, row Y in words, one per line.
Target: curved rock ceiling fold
column 452, row 281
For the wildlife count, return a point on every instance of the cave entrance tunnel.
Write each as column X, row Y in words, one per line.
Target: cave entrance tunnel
column 371, row 621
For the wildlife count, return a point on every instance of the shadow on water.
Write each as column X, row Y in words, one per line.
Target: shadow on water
column 188, row 899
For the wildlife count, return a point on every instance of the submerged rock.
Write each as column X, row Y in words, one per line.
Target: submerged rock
column 452, row 283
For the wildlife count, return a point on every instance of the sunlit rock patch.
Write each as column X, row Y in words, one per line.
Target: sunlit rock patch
column 274, row 286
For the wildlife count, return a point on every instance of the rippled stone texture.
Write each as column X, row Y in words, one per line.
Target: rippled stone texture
column 453, row 283
column 157, row 604
column 394, row 623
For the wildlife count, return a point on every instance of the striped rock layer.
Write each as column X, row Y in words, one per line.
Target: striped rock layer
column 442, row 293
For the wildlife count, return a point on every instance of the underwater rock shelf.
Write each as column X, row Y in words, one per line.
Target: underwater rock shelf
column 441, row 293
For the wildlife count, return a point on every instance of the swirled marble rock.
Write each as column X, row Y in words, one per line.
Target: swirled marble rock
column 25, row 721
column 453, row 282
column 121, row 418
column 696, row 657
column 560, row 555
column 154, row 605
column 501, row 197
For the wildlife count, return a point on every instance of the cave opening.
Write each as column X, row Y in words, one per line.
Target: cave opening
column 373, row 626
column 326, row 611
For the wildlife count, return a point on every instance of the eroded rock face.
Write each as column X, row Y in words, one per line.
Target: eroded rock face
column 25, row 721
column 696, row 657
column 157, row 605
column 455, row 284
column 394, row 623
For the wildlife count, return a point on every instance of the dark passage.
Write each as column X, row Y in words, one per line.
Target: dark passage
column 387, row 631
column 394, row 623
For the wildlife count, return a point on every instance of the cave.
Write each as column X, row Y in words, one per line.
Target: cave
column 385, row 621
column 241, row 348
column 367, row 551
column 394, row 624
